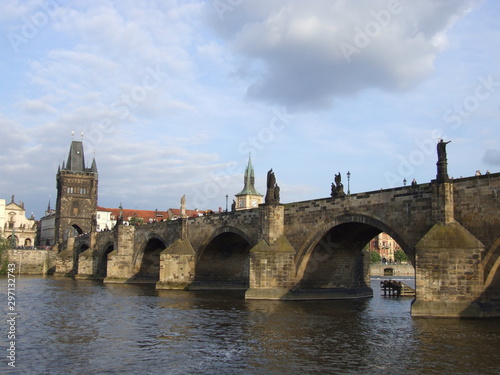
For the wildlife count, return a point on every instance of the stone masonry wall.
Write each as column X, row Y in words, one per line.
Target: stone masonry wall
column 404, row 213
column 201, row 230
column 477, row 206
column 33, row 262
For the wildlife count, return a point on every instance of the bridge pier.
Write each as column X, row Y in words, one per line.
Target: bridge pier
column 87, row 265
column 88, row 261
column 120, row 268
column 65, row 260
column 271, row 269
column 177, row 266
column 272, row 259
column 449, row 273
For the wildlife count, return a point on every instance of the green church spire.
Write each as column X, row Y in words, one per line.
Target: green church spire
column 249, row 180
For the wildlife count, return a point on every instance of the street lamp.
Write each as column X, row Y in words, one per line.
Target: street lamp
column 404, row 182
column 348, row 183
column 226, row 201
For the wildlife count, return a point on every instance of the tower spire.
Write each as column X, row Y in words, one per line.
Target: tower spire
column 249, row 179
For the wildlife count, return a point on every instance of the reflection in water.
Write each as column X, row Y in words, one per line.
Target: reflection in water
column 81, row 327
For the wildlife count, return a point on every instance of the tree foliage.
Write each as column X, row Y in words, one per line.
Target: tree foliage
column 375, row 257
column 400, row 256
column 4, row 245
column 135, row 220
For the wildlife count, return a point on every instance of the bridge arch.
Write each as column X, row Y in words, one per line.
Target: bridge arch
column 332, row 256
column 80, row 248
column 491, row 266
column 321, row 230
column 72, row 230
column 102, row 262
column 147, row 259
column 223, row 263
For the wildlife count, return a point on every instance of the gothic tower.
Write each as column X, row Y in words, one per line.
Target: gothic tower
column 76, row 195
column 248, row 197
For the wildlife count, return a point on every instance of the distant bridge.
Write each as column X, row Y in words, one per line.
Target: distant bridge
column 449, row 229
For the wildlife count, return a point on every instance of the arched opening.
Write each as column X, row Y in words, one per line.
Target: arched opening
column 102, row 267
column 339, row 262
column 385, row 250
column 13, row 241
column 388, row 259
column 72, row 231
column 149, row 270
column 491, row 266
column 224, row 264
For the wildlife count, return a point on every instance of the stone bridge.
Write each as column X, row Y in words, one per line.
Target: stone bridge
column 314, row 249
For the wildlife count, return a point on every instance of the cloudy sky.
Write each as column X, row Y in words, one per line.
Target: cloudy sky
column 173, row 96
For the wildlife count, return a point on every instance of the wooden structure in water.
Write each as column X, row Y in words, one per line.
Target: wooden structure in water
column 392, row 288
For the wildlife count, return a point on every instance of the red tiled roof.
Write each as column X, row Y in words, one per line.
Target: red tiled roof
column 146, row 215
column 189, row 213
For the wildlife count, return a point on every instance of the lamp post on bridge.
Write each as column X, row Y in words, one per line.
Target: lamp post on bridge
column 348, row 183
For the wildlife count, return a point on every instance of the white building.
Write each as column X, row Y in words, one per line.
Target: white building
column 2, row 217
column 17, row 228
column 48, row 228
column 105, row 218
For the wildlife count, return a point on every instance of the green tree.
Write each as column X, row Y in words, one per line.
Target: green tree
column 400, row 256
column 375, row 257
column 4, row 245
column 136, row 220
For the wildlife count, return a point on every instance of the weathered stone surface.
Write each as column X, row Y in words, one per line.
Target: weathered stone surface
column 395, row 270
column 65, row 263
column 121, row 267
column 449, row 272
column 32, row 262
column 177, row 266
column 271, row 269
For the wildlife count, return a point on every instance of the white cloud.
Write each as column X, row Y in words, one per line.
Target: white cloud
column 311, row 53
column 36, row 106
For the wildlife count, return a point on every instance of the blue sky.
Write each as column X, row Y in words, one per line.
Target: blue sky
column 172, row 96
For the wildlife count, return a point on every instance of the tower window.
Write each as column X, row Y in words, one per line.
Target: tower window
column 75, row 208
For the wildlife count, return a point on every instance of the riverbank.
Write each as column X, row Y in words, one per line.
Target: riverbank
column 381, row 270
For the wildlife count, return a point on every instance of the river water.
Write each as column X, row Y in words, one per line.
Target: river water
column 65, row 326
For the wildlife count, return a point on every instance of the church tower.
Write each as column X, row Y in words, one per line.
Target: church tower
column 76, row 195
column 248, row 197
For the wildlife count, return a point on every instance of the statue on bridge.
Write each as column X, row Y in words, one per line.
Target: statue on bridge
column 442, row 163
column 183, row 206
column 441, row 150
column 273, row 190
column 338, row 187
